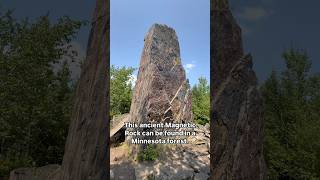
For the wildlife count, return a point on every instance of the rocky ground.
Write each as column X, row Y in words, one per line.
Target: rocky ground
column 191, row 161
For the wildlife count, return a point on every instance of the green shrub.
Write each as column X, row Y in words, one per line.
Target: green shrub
column 291, row 105
column 11, row 162
column 148, row 154
column 201, row 119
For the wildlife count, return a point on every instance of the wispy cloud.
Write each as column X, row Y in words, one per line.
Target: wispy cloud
column 254, row 13
column 188, row 67
column 79, row 53
column 133, row 79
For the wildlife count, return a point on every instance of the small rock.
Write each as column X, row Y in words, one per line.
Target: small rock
column 201, row 176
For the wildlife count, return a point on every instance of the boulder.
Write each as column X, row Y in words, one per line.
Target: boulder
column 48, row 172
column 201, row 176
column 162, row 92
column 117, row 129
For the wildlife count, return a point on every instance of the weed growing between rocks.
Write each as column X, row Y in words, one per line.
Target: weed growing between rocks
column 151, row 153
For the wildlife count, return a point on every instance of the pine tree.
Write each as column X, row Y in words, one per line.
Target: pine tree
column 201, row 101
column 35, row 99
column 291, row 101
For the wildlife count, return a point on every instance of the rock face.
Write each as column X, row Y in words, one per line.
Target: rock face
column 86, row 152
column 237, row 112
column 162, row 93
column 226, row 42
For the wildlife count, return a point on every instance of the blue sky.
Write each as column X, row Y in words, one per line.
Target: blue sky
column 80, row 10
column 271, row 26
column 130, row 20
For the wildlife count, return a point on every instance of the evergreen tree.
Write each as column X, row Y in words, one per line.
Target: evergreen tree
column 201, row 101
column 292, row 141
column 35, row 99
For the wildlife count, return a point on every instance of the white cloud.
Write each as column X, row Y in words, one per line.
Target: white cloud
column 133, row 79
column 254, row 13
column 189, row 66
column 74, row 63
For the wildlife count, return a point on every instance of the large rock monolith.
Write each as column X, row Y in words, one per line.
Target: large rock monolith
column 162, row 92
column 237, row 108
column 86, row 151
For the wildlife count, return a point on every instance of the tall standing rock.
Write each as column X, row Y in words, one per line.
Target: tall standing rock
column 162, row 92
column 227, row 42
column 237, row 112
column 86, row 151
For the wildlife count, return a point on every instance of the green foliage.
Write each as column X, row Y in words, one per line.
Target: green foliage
column 121, row 90
column 35, row 99
column 150, row 153
column 201, row 101
column 292, row 139
column 12, row 162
